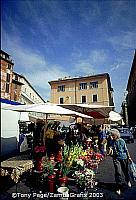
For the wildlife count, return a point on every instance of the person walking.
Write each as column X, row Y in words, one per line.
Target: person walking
column 119, row 151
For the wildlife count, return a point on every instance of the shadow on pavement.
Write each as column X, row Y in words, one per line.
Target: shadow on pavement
column 107, row 186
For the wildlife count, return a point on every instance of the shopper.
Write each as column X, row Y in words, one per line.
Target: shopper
column 102, row 142
column 121, row 156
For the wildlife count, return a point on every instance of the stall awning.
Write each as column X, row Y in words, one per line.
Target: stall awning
column 46, row 108
column 95, row 111
column 114, row 116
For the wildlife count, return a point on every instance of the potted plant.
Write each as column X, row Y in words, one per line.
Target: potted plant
column 64, row 170
column 48, row 172
column 85, row 179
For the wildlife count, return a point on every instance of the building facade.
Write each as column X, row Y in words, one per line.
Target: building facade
column 131, row 97
column 95, row 89
column 16, row 87
column 28, row 94
column 6, row 75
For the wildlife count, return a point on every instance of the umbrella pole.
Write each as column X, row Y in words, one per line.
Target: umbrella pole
column 45, row 123
column 76, row 119
column 19, row 132
column 94, row 121
column 82, row 120
column 34, row 132
column 110, row 124
column 45, row 128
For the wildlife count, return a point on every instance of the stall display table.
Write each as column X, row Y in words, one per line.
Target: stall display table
column 16, row 166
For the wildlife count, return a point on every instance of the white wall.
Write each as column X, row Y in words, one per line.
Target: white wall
column 9, row 131
column 28, row 94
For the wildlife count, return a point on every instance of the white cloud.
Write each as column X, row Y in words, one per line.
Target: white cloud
column 122, row 12
column 92, row 63
column 24, row 57
column 89, row 12
column 40, row 78
column 125, row 40
column 115, row 67
column 98, row 56
column 33, row 65
column 83, row 67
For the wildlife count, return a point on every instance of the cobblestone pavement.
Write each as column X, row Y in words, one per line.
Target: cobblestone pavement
column 104, row 190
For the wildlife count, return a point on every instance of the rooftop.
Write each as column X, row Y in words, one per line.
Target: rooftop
column 79, row 77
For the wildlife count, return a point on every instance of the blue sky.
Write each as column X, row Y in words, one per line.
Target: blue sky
column 50, row 39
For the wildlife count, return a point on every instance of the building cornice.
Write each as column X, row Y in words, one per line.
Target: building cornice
column 6, row 60
column 78, row 78
column 10, row 61
column 84, row 77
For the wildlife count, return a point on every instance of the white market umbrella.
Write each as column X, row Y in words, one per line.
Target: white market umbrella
column 114, row 116
column 46, row 108
column 96, row 111
column 23, row 116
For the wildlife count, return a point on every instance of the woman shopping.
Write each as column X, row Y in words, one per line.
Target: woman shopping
column 118, row 150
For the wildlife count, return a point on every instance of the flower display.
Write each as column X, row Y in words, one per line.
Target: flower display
column 73, row 160
column 85, row 178
column 80, row 162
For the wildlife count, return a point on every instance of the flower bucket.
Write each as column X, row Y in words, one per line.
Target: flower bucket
column 64, row 191
column 63, row 180
column 51, row 183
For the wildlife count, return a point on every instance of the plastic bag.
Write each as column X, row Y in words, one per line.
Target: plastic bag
column 133, row 171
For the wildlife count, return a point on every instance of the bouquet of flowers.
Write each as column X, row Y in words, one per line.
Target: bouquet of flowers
column 39, row 151
column 85, row 178
column 48, row 167
column 79, row 164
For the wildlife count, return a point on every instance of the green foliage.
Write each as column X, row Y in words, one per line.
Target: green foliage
column 48, row 167
column 65, row 170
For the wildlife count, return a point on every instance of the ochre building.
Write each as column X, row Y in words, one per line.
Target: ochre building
column 94, row 89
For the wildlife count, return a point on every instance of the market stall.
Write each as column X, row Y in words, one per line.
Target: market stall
column 76, row 160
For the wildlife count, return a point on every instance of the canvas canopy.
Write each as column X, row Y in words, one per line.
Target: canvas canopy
column 95, row 111
column 22, row 116
column 46, row 108
column 114, row 116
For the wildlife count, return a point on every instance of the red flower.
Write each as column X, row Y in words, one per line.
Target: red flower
column 38, row 149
